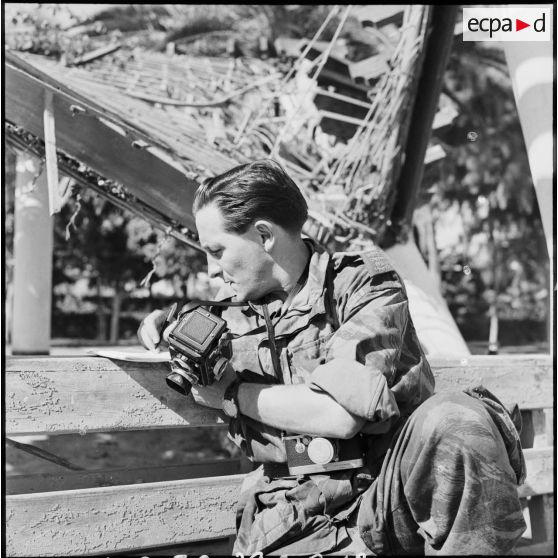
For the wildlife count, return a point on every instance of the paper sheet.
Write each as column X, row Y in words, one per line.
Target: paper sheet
column 132, row 354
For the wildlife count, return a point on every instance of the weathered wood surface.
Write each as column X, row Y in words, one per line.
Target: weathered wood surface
column 539, row 549
column 88, row 139
column 52, row 395
column 132, row 517
column 523, row 379
column 91, row 394
column 124, row 518
column 73, row 480
column 540, row 472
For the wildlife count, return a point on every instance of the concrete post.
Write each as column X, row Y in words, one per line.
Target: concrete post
column 531, row 71
column 33, row 239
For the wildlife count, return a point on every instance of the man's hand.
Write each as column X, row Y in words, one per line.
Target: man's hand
column 149, row 329
column 212, row 395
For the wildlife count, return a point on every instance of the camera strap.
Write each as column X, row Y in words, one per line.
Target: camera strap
column 272, row 345
column 329, row 299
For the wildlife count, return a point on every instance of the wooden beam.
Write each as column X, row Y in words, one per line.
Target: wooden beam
column 437, row 52
column 539, row 463
column 52, row 395
column 93, row 394
column 73, row 480
column 95, row 54
column 54, row 201
column 540, row 472
column 133, row 517
column 117, row 519
column 523, row 379
column 370, row 68
column 340, row 97
column 539, row 549
column 84, row 135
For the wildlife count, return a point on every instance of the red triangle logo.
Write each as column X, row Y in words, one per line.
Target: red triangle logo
column 519, row 25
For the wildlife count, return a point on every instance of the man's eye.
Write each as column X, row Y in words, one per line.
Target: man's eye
column 214, row 253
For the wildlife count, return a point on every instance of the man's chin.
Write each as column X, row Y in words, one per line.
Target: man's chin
column 243, row 296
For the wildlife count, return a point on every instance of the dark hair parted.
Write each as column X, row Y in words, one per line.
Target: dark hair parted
column 258, row 190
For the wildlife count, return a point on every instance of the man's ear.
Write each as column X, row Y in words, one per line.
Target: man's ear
column 266, row 232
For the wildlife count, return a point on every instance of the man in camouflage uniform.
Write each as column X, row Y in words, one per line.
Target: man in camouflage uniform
column 324, row 346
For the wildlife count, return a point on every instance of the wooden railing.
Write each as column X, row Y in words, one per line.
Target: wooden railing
column 100, row 512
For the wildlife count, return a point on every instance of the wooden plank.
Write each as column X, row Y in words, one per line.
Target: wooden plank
column 539, row 462
column 527, row 429
column 125, row 518
column 97, row 53
column 370, row 68
column 542, row 522
column 540, row 549
column 54, row 201
column 549, row 426
column 69, row 480
column 540, row 472
column 51, row 395
column 86, row 138
column 137, row 516
column 93, row 394
column 522, row 379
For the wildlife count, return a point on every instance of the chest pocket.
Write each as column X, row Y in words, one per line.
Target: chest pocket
column 304, row 355
column 246, row 360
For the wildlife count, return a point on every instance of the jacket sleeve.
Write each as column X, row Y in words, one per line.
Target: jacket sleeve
column 374, row 366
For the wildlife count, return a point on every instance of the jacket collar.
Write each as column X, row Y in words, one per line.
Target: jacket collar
column 308, row 301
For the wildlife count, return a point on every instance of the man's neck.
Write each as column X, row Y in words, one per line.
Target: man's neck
column 291, row 266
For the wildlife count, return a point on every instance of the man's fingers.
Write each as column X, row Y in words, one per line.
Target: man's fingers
column 149, row 336
column 148, row 331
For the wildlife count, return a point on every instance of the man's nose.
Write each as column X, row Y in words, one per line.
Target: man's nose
column 213, row 268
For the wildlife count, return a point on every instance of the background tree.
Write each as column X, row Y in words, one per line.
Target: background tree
column 115, row 251
column 498, row 266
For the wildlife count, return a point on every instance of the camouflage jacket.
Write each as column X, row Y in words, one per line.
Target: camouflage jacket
column 348, row 333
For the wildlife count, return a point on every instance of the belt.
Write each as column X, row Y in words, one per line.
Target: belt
column 276, row 470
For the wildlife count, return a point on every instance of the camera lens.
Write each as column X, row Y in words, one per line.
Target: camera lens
column 321, row 451
column 178, row 382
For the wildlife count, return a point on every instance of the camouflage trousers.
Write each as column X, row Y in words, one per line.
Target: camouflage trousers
column 447, row 485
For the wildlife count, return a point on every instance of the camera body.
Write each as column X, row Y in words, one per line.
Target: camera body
column 200, row 349
column 315, row 454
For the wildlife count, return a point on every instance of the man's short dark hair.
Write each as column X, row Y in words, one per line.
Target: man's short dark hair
column 258, row 190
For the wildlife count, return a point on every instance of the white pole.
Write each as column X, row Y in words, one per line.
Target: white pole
column 33, row 239
column 531, row 67
column 531, row 72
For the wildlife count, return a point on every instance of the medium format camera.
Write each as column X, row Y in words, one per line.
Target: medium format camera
column 200, row 349
column 314, row 454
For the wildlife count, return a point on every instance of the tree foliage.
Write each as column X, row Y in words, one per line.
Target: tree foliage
column 109, row 244
column 500, row 260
